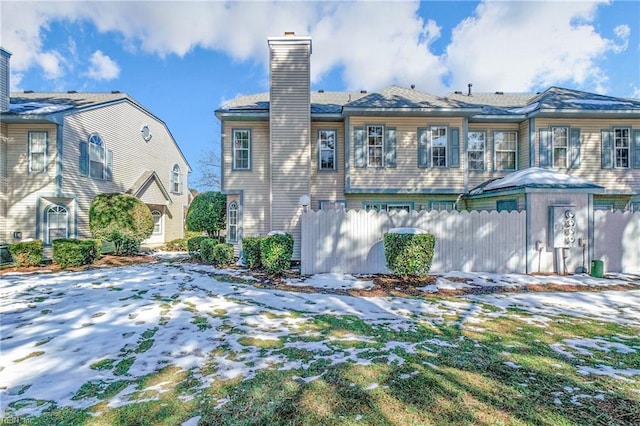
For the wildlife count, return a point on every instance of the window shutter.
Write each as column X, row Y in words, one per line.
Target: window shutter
column 390, row 147
column 84, row 159
column 358, row 147
column 180, row 184
column 423, row 147
column 607, row 149
column 545, row 148
column 574, row 146
column 454, row 148
column 636, row 149
column 108, row 172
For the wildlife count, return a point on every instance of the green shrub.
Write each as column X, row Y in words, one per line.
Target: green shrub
column 207, row 213
column 275, row 253
column 251, row 252
column 68, row 252
column 179, row 244
column 193, row 245
column 121, row 218
column 26, row 253
column 206, row 249
column 223, row 255
column 409, row 254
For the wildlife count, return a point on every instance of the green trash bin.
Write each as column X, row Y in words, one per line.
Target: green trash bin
column 597, row 268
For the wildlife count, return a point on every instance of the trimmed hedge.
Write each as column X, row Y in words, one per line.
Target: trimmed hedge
column 275, row 253
column 69, row 252
column 26, row 253
column 206, row 249
column 222, row 255
column 193, row 245
column 251, row 252
column 409, row 254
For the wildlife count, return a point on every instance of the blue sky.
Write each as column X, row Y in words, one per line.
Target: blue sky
column 183, row 59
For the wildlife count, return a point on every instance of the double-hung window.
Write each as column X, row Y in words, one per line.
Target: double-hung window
column 97, row 156
column 443, row 205
column 375, row 146
column 438, row 136
column 327, row 149
column 506, row 145
column 241, row 149
column 157, row 222
column 476, row 148
column 57, row 223
column 37, row 152
column 560, row 143
column 621, row 145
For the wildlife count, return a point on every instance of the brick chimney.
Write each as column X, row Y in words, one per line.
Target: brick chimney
column 5, row 55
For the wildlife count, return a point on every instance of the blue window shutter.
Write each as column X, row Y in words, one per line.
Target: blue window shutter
column 390, row 147
column 454, row 148
column 574, row 146
column 607, row 149
column 424, row 154
column 358, row 147
column 636, row 149
column 545, row 148
column 108, row 171
column 84, row 159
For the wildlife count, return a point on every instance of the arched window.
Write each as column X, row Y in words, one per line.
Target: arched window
column 57, row 223
column 232, row 219
column 96, row 156
column 157, row 221
column 176, row 180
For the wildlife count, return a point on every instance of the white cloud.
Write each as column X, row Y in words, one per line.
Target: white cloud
column 518, row 46
column 102, row 67
column 511, row 46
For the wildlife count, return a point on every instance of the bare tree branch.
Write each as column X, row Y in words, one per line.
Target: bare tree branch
column 209, row 165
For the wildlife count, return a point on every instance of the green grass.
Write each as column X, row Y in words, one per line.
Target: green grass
column 342, row 370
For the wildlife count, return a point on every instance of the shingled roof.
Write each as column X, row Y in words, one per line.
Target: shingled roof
column 42, row 103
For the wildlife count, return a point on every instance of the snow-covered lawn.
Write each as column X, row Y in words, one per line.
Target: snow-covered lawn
column 92, row 340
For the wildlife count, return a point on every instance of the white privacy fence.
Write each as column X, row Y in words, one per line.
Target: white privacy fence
column 617, row 240
column 351, row 242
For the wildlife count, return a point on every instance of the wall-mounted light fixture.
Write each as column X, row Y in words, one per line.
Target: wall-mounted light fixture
column 304, row 202
column 17, row 235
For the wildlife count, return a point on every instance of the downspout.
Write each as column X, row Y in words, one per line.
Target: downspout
column 59, row 163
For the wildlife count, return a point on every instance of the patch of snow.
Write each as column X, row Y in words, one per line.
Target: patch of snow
column 193, row 421
column 331, row 281
column 512, row 365
column 536, row 176
column 525, row 109
column 605, row 370
column 372, row 386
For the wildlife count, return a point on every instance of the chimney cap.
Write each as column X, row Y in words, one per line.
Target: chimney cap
column 363, row 91
column 28, row 91
column 72, row 91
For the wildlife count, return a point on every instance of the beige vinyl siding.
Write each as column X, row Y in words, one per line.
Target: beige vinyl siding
column 524, row 156
column 119, row 125
column 22, row 188
column 290, row 125
column 619, row 202
column 491, row 203
column 406, row 176
column 476, row 178
column 254, row 183
column 614, row 180
column 327, row 185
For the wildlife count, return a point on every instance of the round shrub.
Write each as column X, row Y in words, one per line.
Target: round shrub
column 122, row 219
column 409, row 254
column 207, row 213
column 223, row 255
column 193, row 245
column 251, row 252
column 206, row 250
column 275, row 253
column 26, row 253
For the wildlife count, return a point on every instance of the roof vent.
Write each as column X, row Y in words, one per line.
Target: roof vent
column 115, row 91
column 72, row 91
column 363, row 91
column 469, row 86
column 458, row 92
column 499, row 93
column 321, row 91
column 413, row 86
column 28, row 91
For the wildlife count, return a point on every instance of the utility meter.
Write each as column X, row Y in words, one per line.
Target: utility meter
column 562, row 226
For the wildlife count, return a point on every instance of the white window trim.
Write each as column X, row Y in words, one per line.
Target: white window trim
column 564, row 147
column 176, row 179
column 333, row 205
column 627, row 148
column 496, row 150
column 235, row 150
column 96, row 140
column 59, row 209
column 160, row 222
column 44, row 151
column 433, row 147
column 321, row 149
column 483, row 151
column 443, row 205
column 369, row 147
column 232, row 224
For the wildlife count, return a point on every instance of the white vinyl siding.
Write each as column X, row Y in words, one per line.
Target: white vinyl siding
column 506, row 150
column 241, row 149
column 37, row 152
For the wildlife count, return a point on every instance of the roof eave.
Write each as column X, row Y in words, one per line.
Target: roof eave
column 408, row 111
